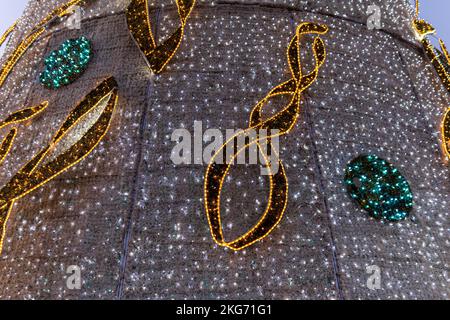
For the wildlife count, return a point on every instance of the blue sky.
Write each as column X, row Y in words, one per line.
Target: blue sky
column 437, row 12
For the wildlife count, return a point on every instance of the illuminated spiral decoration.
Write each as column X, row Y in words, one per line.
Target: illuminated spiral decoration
column 283, row 122
column 66, row 64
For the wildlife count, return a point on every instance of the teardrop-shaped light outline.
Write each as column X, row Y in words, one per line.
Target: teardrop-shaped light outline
column 34, row 175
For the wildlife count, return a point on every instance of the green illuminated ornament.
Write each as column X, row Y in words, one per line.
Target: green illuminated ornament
column 66, row 64
column 379, row 188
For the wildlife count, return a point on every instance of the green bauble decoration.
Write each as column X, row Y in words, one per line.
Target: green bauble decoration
column 66, row 64
column 379, row 188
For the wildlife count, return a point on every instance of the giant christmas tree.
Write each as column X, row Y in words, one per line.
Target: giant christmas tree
column 134, row 222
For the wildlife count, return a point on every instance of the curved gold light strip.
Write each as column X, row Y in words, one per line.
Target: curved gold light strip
column 445, row 131
column 15, row 118
column 437, row 63
column 26, row 43
column 422, row 29
column 7, row 143
column 7, row 33
column 283, row 121
column 444, row 51
column 38, row 172
column 139, row 25
column 24, row 114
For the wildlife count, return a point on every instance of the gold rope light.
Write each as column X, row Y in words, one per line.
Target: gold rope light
column 7, row 143
column 445, row 131
column 157, row 56
column 423, row 29
column 15, row 118
column 47, row 164
column 31, row 38
column 7, row 33
column 70, row 148
column 283, row 121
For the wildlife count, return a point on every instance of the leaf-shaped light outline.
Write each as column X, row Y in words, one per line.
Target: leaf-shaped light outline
column 422, row 28
column 7, row 33
column 34, row 175
column 16, row 118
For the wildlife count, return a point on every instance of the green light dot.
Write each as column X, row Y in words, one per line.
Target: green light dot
column 65, row 65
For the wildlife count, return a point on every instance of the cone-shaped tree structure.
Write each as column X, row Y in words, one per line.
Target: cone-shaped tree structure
column 134, row 222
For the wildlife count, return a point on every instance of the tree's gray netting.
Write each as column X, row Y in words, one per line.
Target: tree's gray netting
column 135, row 222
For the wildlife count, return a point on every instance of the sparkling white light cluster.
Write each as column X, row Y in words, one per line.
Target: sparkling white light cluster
column 377, row 94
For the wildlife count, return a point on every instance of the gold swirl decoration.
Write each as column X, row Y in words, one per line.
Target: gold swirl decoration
column 441, row 63
column 157, row 56
column 283, row 122
column 31, row 38
column 81, row 132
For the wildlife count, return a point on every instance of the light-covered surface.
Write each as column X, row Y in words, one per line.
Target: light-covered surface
column 375, row 94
